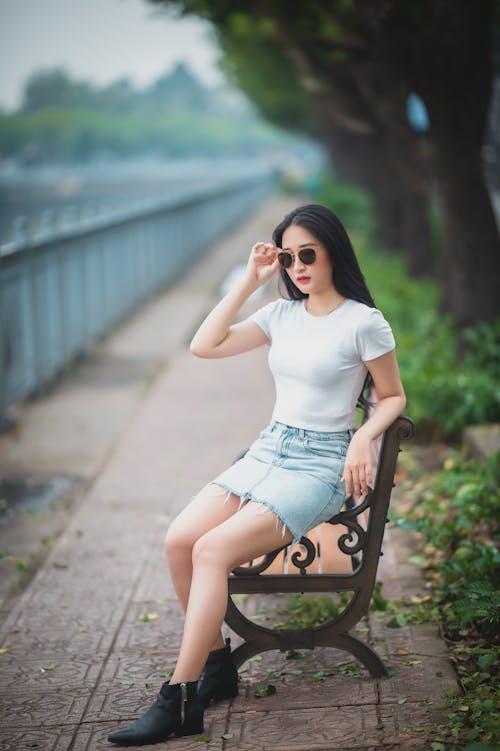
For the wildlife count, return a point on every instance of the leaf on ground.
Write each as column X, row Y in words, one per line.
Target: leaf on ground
column 293, row 654
column 149, row 685
column 264, row 689
column 401, row 652
column 145, row 617
column 402, row 701
column 316, row 677
column 126, row 682
column 46, row 668
column 227, row 736
column 485, row 661
column 203, row 738
column 3, row 651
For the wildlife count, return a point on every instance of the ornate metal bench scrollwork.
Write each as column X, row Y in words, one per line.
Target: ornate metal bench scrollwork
column 364, row 525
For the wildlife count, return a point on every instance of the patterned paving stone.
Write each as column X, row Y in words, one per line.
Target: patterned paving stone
column 321, row 729
column 154, row 580
column 408, row 724
column 43, row 739
column 79, row 640
column 295, row 691
column 42, row 675
column 141, row 670
column 420, row 678
column 158, row 634
column 30, row 709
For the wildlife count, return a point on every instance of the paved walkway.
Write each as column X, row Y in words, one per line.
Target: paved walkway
column 79, row 656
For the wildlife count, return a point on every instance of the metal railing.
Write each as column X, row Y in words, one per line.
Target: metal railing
column 66, row 285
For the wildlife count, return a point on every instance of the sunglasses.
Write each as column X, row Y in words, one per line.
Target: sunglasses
column 307, row 256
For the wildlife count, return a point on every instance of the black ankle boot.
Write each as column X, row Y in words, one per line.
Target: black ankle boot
column 177, row 709
column 219, row 678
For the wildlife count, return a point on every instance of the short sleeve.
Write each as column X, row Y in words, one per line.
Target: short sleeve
column 374, row 336
column 263, row 317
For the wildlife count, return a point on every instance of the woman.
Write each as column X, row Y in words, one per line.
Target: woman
column 326, row 343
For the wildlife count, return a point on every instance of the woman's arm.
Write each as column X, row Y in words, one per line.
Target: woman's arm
column 358, row 469
column 217, row 335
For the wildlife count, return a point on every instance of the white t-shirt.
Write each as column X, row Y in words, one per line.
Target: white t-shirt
column 317, row 361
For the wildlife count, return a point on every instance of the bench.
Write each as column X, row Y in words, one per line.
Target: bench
column 308, row 570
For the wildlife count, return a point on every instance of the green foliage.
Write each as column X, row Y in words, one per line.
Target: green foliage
column 457, row 514
column 351, row 204
column 444, row 394
column 305, row 611
column 257, row 67
column 56, row 134
column 62, row 119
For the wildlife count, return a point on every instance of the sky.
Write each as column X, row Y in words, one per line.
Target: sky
column 99, row 40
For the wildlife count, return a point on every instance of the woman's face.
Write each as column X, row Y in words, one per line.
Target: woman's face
column 315, row 278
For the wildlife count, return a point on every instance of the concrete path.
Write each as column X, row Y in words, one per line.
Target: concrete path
column 144, row 425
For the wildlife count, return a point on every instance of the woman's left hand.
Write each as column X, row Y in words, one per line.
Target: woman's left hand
column 358, row 472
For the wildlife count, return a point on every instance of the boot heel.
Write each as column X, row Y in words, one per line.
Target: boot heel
column 191, row 728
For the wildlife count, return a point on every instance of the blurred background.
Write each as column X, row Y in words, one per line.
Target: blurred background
column 120, row 113
column 134, row 134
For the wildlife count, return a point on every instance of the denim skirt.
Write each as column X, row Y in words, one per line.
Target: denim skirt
column 292, row 472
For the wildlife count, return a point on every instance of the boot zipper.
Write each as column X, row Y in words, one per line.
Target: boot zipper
column 184, row 698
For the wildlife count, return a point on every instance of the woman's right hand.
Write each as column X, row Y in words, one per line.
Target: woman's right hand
column 262, row 263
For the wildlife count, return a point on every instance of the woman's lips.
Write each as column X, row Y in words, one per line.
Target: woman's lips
column 303, row 279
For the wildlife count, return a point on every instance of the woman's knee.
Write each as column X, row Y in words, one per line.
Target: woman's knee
column 210, row 550
column 178, row 540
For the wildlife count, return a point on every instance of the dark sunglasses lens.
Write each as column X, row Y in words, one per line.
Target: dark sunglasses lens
column 285, row 260
column 307, row 256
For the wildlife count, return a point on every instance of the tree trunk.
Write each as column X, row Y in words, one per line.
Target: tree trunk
column 358, row 159
column 471, row 247
column 394, row 173
column 444, row 50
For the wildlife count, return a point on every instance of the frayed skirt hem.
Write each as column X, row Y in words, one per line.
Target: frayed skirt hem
column 268, row 508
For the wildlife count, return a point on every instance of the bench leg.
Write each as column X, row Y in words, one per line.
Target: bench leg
column 260, row 639
column 365, row 654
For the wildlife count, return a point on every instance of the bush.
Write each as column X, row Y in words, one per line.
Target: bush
column 457, row 515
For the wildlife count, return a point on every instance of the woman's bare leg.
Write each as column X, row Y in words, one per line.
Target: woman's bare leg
column 245, row 535
column 209, row 508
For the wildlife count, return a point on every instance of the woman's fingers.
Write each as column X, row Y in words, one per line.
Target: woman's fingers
column 358, row 479
column 266, row 251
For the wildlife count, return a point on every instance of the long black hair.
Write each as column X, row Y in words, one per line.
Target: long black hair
column 347, row 277
column 326, row 227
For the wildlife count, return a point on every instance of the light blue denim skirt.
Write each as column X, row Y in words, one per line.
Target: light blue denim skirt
column 293, row 472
